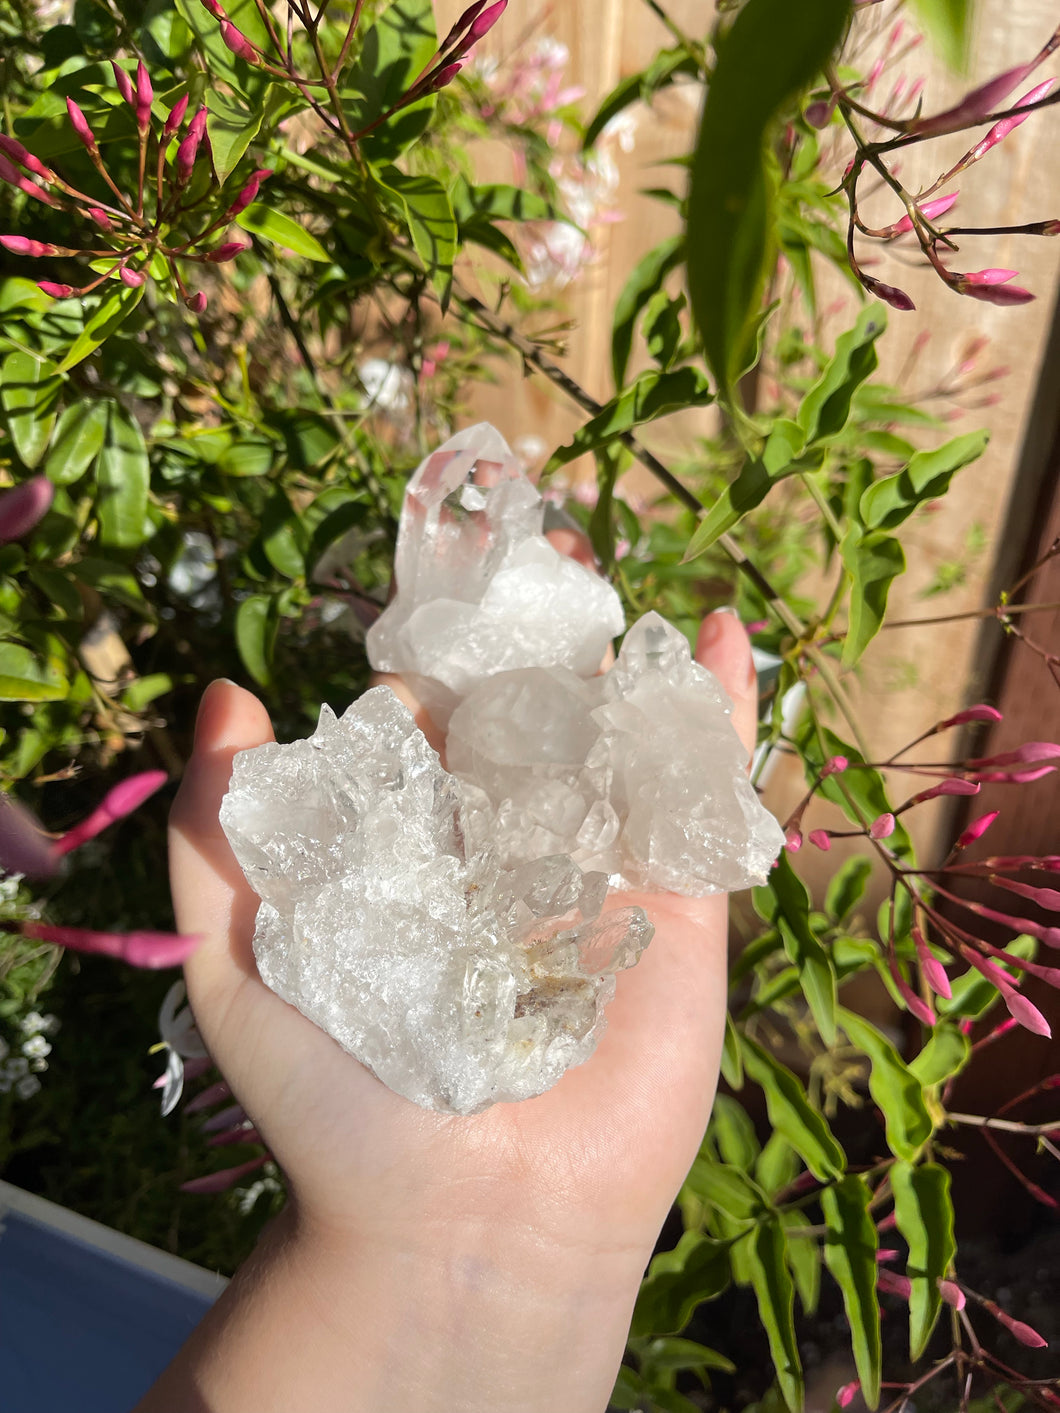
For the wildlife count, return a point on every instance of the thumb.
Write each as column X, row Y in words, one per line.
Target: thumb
column 724, row 647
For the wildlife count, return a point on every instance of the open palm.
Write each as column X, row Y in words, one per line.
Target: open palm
column 596, row 1160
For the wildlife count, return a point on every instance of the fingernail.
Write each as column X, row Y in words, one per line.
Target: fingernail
column 203, row 714
column 712, row 628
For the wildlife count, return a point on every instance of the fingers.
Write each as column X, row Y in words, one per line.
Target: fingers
column 210, row 894
column 724, row 647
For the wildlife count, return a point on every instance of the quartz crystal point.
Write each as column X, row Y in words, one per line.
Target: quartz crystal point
column 480, row 589
column 637, row 773
column 459, row 981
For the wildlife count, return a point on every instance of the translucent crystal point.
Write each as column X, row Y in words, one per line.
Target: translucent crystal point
column 479, row 588
column 457, row 981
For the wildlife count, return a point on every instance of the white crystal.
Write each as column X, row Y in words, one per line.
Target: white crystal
column 637, row 773
column 457, row 981
column 480, row 590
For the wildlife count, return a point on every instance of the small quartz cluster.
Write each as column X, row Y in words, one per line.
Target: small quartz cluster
column 447, row 926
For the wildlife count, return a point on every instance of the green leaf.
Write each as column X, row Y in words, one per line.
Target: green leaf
column 886, row 503
column 231, row 127
column 924, row 1213
column 776, row 1166
column 113, row 310
column 24, row 677
column 727, row 1188
column 945, row 1054
column 645, row 281
column 113, row 581
column 731, row 1057
column 846, row 888
column 850, row 1255
column 396, row 50
column 283, row 539
column 662, row 328
column 948, row 24
column 29, row 392
column 123, row 475
column 874, row 561
column 256, row 636
column 670, row 1352
column 144, row 690
column 895, row 1089
column 249, row 456
column 697, row 1269
column 772, row 1286
column 76, row 442
column 647, row 397
column 431, row 224
column 497, row 201
column 826, row 407
column 804, row 1259
column 792, row 915
column 641, row 86
column 734, row 1132
column 791, row 1113
column 281, row 230
column 772, row 51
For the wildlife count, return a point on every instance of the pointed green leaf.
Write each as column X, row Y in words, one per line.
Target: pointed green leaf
column 280, row 229
column 497, row 201
column 25, row 677
column 948, row 24
column 396, row 50
column 731, row 1058
column 231, row 125
column 640, row 87
column 256, row 635
column 431, row 224
column 792, row 916
column 734, row 1132
column 645, row 281
column 888, row 502
column 77, row 440
column 772, row 50
column 123, row 475
column 874, row 561
column 647, row 397
column 895, row 1089
column 775, row 1293
column 846, row 888
column 115, row 307
column 697, row 1269
column 725, row 1187
column 946, row 1054
column 804, row 1258
column 826, row 406
column 791, row 1113
column 850, row 1255
column 29, row 392
column 924, row 1213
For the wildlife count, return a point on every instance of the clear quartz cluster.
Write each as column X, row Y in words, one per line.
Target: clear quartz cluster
column 457, row 981
column 445, row 925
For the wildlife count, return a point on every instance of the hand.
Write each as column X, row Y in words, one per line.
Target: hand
column 589, row 1168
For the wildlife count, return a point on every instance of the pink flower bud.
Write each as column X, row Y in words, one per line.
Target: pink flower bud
column 124, row 83
column 228, row 251
column 1004, row 126
column 882, row 827
column 79, row 123
column 24, row 847
column 1045, row 897
column 938, row 206
column 145, row 96
column 483, row 23
column 140, row 949
column 56, row 291
column 992, row 293
column 242, row 1133
column 133, row 278
column 974, row 106
column 234, row 1113
column 444, row 76
column 228, row 1177
column 1026, row 1014
column 1016, row 777
column 820, row 839
column 22, row 245
column 196, row 302
column 947, row 787
column 952, row 1294
column 847, row 1394
column 885, row 1254
column 189, row 148
column 238, row 43
column 100, row 218
column 916, row 1005
column 977, row 829
column 890, row 294
column 18, row 153
column 932, row 970
column 206, row 1100
column 1027, row 1336
column 468, row 17
column 248, row 194
column 176, row 117
column 973, row 713
column 990, row 277
column 793, row 841
column 819, row 114
column 834, row 765
column 892, row 1284
column 125, row 797
column 1028, row 754
column 22, row 507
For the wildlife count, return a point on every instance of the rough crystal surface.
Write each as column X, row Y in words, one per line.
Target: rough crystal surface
column 480, row 589
column 458, row 981
column 637, row 772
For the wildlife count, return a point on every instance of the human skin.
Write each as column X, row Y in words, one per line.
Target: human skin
column 434, row 1262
